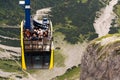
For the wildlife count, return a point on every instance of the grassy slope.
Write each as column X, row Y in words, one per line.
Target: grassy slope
column 72, row 74
column 9, row 66
column 12, row 33
column 117, row 11
column 59, row 59
column 11, row 13
column 116, row 23
column 76, row 19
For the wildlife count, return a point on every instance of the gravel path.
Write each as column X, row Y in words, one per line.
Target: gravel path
column 73, row 55
column 103, row 23
column 15, row 49
column 40, row 13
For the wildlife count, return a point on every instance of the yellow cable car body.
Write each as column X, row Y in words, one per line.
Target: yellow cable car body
column 36, row 58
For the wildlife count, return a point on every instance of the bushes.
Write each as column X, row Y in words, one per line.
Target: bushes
column 77, row 19
column 11, row 13
column 93, row 36
column 71, row 74
column 113, row 30
column 12, row 33
column 9, row 66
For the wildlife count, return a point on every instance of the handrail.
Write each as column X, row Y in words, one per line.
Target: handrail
column 36, row 45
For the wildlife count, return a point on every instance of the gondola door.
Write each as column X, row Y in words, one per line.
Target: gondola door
column 37, row 61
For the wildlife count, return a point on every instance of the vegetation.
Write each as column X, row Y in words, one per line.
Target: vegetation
column 103, row 37
column 12, row 33
column 12, row 66
column 70, row 74
column 83, row 1
column 59, row 59
column 75, row 16
column 11, row 13
column 114, row 30
column 9, row 66
column 31, row 71
column 3, row 78
column 75, row 19
column 116, row 23
column 14, row 43
column 117, row 11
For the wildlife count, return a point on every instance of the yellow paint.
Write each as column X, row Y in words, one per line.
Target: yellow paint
column 51, row 59
column 52, row 50
column 22, row 48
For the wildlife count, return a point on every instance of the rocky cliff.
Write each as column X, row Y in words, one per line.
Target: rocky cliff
column 101, row 61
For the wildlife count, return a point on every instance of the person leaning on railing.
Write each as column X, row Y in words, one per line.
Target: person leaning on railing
column 45, row 34
column 27, row 34
column 34, row 37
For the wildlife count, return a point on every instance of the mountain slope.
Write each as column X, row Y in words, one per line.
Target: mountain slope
column 76, row 18
column 11, row 13
column 73, row 17
column 101, row 61
column 10, row 36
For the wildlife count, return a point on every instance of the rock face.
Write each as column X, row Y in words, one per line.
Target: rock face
column 101, row 60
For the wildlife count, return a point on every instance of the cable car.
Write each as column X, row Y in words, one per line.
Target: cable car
column 36, row 42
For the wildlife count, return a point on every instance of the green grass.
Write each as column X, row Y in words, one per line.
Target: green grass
column 103, row 37
column 117, row 34
column 116, row 42
column 2, row 78
column 99, row 49
column 32, row 71
column 10, row 32
column 118, row 47
column 59, row 59
column 14, row 43
column 71, row 74
column 103, row 56
column 117, row 11
column 9, row 66
column 84, row 1
column 105, row 53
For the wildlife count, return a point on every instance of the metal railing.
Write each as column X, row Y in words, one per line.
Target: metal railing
column 38, row 45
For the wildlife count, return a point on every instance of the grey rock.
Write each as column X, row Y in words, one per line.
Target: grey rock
column 101, row 62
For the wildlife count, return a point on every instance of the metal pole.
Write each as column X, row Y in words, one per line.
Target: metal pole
column 27, row 14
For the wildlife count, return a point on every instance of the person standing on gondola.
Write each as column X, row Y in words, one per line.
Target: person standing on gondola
column 27, row 34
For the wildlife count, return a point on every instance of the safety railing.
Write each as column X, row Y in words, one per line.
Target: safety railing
column 44, row 45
